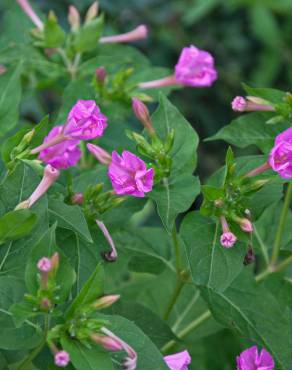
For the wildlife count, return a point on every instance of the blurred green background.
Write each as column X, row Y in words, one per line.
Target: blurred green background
column 250, row 39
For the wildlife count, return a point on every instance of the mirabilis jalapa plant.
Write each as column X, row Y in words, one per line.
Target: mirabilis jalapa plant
column 208, row 289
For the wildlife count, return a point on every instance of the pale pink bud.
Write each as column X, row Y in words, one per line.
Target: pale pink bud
column 73, row 18
column 44, row 264
column 62, row 358
column 92, row 12
column 26, row 7
column 100, row 154
column 106, row 301
column 245, row 225
column 77, row 198
column 228, row 239
column 3, row 69
column 162, row 82
column 250, row 104
column 100, row 74
column 112, row 255
column 258, row 170
column 142, row 113
column 108, row 343
column 55, row 260
column 46, row 304
column 139, row 33
column 50, row 176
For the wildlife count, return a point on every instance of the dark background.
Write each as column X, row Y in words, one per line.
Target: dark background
column 250, row 39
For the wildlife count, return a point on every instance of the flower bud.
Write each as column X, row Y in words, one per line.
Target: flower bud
column 245, row 225
column 77, row 198
column 139, row 33
column 74, row 18
column 3, row 69
column 251, row 104
column 100, row 74
column 62, row 358
column 100, row 154
column 55, row 260
column 249, row 257
column 44, row 264
column 142, row 113
column 92, row 12
column 105, row 301
column 46, row 304
column 108, row 343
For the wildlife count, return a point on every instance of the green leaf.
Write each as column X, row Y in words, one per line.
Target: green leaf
column 210, row 264
column 16, row 224
column 54, row 36
column 183, row 153
column 251, row 310
column 174, row 196
column 46, row 247
column 10, row 94
column 92, row 290
column 69, row 217
column 86, row 38
column 251, row 129
column 86, row 358
column 272, row 95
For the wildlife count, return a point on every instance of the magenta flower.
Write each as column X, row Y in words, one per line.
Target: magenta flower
column 250, row 104
column 139, row 33
column 194, row 68
column 63, row 154
column 280, row 158
column 178, row 361
column 85, row 121
column 62, row 358
column 227, row 239
column 44, row 264
column 129, row 175
column 250, row 359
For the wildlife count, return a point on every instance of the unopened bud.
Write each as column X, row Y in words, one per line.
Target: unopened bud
column 77, row 198
column 108, row 343
column 92, row 12
column 259, row 184
column 245, row 225
column 105, row 301
column 22, row 205
column 55, row 260
column 46, row 303
column 73, row 18
column 218, row 203
column 52, row 16
column 100, row 154
column 142, row 113
column 100, row 74
column 3, row 69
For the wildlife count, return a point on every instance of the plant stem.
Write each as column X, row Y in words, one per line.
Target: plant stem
column 176, row 293
column 187, row 330
column 177, row 250
column 262, row 245
column 270, row 270
column 282, row 224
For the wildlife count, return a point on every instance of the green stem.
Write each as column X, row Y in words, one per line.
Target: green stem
column 282, row 224
column 176, row 293
column 262, row 245
column 270, row 270
column 187, row 330
column 177, row 250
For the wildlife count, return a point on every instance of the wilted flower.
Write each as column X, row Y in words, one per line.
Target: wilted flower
column 280, row 158
column 227, row 239
column 194, row 68
column 85, row 121
column 250, row 104
column 63, row 154
column 250, row 359
column 139, row 33
column 178, row 361
column 129, row 175
column 62, row 358
column 112, row 255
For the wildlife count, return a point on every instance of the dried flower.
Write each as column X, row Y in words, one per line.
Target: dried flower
column 112, row 255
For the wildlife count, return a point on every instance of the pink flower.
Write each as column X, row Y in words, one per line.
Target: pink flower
column 26, row 7
column 139, row 33
column 178, row 361
column 250, row 359
column 44, row 264
column 228, row 239
column 195, row 67
column 62, row 359
column 280, row 158
column 111, row 344
column 129, row 175
column 250, row 104
column 63, row 154
column 245, row 225
column 85, row 121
